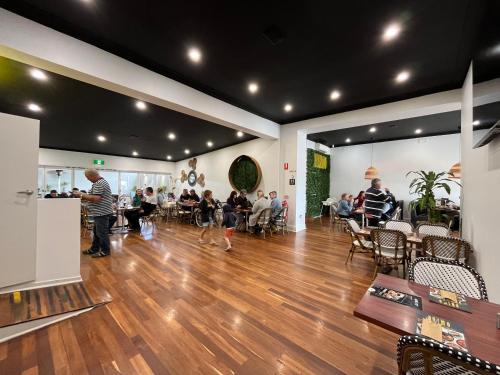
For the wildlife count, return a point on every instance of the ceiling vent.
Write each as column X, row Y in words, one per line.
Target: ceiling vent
column 274, row 35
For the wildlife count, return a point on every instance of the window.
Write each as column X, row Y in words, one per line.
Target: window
column 148, row 179
column 58, row 179
column 112, row 178
column 128, row 182
column 81, row 181
column 41, row 175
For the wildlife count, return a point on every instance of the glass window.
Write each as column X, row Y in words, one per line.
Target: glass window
column 148, row 179
column 128, row 182
column 81, row 181
column 58, row 179
column 163, row 181
column 41, row 187
column 112, row 178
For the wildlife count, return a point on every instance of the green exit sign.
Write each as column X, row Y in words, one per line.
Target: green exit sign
column 98, row 162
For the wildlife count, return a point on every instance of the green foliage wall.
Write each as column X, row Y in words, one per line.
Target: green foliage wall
column 317, row 184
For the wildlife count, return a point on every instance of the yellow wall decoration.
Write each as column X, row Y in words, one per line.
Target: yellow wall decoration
column 320, row 161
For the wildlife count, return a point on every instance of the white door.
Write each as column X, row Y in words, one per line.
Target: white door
column 19, row 139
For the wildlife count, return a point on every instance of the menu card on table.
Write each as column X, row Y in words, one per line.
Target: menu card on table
column 441, row 330
column 447, row 298
column 396, row 296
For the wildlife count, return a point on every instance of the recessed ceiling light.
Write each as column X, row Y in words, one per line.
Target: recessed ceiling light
column 391, row 32
column 141, row 105
column 334, row 95
column 348, row 140
column 34, row 107
column 476, row 122
column 288, row 107
column 210, row 143
column 418, row 131
column 373, row 129
column 135, row 153
column 253, row 87
column 239, row 134
column 101, row 138
column 169, row 157
column 38, row 74
column 194, row 54
column 187, row 151
column 171, row 136
column 402, row 76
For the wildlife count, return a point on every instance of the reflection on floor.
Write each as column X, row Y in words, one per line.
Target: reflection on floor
column 281, row 305
column 33, row 304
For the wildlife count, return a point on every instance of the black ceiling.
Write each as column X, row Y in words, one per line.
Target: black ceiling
column 75, row 113
column 324, row 45
column 487, row 55
column 437, row 124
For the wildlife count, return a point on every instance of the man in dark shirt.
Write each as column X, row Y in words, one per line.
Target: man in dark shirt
column 375, row 198
column 241, row 200
column 193, row 196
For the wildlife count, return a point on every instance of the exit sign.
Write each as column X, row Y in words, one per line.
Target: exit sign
column 98, row 162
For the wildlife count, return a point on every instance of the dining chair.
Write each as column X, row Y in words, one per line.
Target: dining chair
column 427, row 229
column 401, row 225
column 264, row 220
column 450, row 248
column 281, row 220
column 358, row 243
column 419, row 355
column 151, row 218
column 181, row 213
column 87, row 222
column 389, row 247
column 448, row 275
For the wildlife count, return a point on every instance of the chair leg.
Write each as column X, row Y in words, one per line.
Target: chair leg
column 351, row 251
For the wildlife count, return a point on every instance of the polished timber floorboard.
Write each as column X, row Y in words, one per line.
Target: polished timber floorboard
column 282, row 305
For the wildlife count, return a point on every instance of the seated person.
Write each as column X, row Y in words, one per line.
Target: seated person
column 275, row 204
column 231, row 201
column 73, row 191
column 171, row 196
column 389, row 206
column 241, row 202
column 260, row 205
column 345, row 206
column 193, row 196
column 113, row 218
column 359, row 200
column 148, row 205
column 63, row 195
column 52, row 194
column 138, row 198
column 184, row 196
column 160, row 196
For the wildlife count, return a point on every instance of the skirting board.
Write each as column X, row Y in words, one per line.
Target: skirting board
column 8, row 333
column 40, row 284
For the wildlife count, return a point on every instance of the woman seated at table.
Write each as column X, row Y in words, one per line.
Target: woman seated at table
column 345, row 206
column 359, row 200
column 231, row 201
column 138, row 198
column 148, row 205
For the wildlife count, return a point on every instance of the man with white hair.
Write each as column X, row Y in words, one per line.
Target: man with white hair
column 100, row 207
column 260, row 205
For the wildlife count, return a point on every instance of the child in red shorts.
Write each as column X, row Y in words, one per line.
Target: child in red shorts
column 229, row 222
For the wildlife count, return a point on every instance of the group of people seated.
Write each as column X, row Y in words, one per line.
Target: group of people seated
column 54, row 194
column 378, row 203
column 147, row 201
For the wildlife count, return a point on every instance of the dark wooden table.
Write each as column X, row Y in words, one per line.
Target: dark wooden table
column 481, row 334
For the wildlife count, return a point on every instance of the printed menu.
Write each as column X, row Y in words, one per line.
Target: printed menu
column 441, row 330
column 396, row 296
column 447, row 298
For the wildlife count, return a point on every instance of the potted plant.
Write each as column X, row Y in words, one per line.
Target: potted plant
column 424, row 185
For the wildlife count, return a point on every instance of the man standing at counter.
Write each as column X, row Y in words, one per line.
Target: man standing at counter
column 100, row 207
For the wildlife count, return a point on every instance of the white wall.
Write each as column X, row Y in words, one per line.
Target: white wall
column 215, row 166
column 393, row 160
column 59, row 158
column 318, row 147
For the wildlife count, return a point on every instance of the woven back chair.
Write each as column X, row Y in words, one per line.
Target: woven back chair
column 334, row 216
column 358, row 242
column 427, row 229
column 389, row 246
column 264, row 220
column 401, row 225
column 450, row 248
column 181, row 213
column 448, row 275
column 418, row 356
column 281, row 220
column 87, row 222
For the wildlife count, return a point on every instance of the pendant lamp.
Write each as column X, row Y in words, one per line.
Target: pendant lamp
column 371, row 172
column 455, row 171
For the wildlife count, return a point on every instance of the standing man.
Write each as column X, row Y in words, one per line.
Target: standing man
column 100, row 207
column 375, row 199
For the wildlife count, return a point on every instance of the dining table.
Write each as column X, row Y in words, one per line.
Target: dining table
column 412, row 238
column 480, row 324
column 120, row 213
column 243, row 226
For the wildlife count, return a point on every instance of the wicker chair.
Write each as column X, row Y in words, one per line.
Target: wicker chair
column 390, row 249
column 427, row 229
column 87, row 222
column 401, row 225
column 419, row 355
column 358, row 243
column 281, row 220
column 448, row 275
column 182, row 214
column 151, row 218
column 264, row 220
column 450, row 248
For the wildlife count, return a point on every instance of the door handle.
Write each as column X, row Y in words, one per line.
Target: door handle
column 27, row 192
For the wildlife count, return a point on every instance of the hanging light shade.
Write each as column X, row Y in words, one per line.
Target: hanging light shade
column 371, row 173
column 456, row 171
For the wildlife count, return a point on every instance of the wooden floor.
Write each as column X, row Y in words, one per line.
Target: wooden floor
column 274, row 306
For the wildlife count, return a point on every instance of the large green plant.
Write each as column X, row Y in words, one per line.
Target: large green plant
column 317, row 184
column 424, row 185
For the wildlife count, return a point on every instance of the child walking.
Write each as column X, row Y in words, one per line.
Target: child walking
column 229, row 222
column 207, row 207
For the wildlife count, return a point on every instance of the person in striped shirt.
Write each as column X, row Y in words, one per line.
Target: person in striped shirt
column 375, row 199
column 100, row 205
